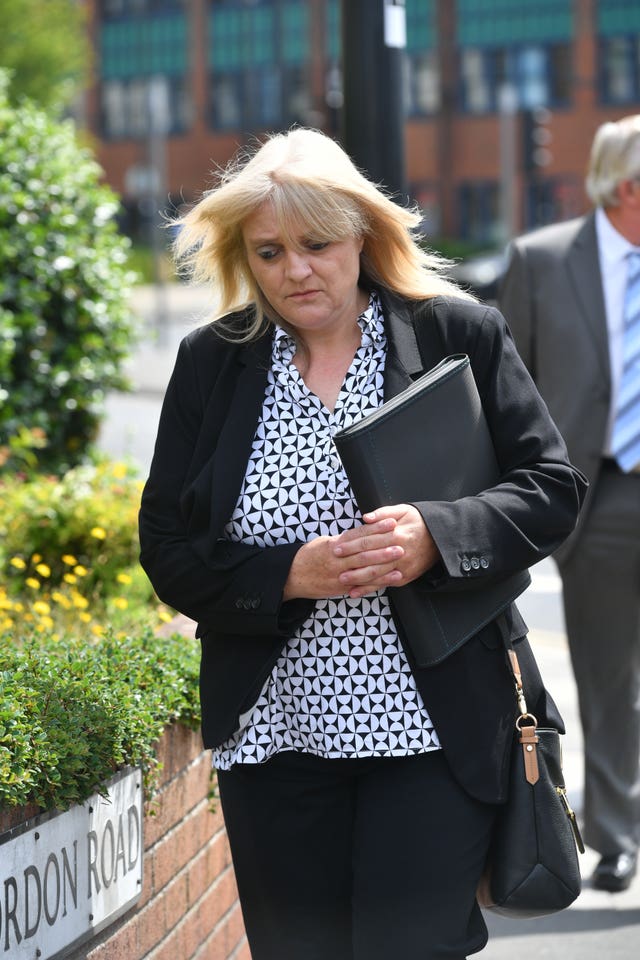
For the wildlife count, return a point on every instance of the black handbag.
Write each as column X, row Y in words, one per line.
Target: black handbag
column 532, row 868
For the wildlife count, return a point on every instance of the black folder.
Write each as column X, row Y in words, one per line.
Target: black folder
column 430, row 442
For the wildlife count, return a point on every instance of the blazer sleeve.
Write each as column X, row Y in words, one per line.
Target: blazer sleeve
column 233, row 587
column 535, row 506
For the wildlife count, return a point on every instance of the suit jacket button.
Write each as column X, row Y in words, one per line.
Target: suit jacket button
column 475, row 563
column 239, row 603
column 465, row 566
column 255, row 603
column 484, row 563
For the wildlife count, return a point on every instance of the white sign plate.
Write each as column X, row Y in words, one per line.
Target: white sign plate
column 64, row 877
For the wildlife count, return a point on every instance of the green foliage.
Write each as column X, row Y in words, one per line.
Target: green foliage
column 69, row 553
column 45, row 44
column 71, row 714
column 64, row 288
column 89, row 513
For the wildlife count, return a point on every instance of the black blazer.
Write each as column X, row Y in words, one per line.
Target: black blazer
column 234, row 590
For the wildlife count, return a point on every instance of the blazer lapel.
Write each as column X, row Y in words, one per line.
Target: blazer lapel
column 583, row 265
column 238, row 430
column 404, row 363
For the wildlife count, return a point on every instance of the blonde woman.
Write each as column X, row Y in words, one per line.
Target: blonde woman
column 358, row 790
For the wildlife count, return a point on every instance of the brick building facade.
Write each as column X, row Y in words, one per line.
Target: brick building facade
column 223, row 71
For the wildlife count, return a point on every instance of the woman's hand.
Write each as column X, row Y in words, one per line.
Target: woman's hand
column 391, row 548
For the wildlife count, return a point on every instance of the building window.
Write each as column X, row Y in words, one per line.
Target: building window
column 540, row 76
column 111, row 9
column 549, row 200
column 478, row 212
column 527, row 46
column 620, row 69
column 134, row 52
column 422, row 70
column 258, row 58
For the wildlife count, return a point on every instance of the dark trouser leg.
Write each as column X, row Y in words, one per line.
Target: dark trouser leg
column 384, row 853
column 601, row 590
column 419, row 851
column 289, row 822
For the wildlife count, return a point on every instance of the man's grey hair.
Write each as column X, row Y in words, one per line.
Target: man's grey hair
column 615, row 156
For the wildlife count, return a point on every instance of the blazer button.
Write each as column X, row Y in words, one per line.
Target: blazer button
column 239, row 603
column 475, row 563
column 484, row 563
column 465, row 566
column 255, row 603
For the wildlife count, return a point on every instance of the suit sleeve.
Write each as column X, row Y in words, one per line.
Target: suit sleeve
column 535, row 506
column 234, row 587
column 517, row 304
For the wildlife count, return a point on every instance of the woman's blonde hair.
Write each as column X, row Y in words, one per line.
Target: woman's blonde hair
column 308, row 179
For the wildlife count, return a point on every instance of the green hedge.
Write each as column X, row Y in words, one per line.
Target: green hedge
column 72, row 713
column 66, row 323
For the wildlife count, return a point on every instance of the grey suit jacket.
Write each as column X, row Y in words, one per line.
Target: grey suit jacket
column 553, row 301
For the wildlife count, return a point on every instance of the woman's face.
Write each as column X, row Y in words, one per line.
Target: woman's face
column 312, row 285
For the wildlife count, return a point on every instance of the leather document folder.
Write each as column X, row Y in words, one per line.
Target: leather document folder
column 430, row 442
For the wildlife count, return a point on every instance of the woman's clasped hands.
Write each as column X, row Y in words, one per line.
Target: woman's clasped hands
column 392, row 547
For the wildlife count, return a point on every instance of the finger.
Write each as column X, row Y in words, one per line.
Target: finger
column 376, row 573
column 369, row 538
column 392, row 511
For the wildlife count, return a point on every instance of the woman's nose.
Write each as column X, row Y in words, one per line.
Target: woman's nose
column 297, row 265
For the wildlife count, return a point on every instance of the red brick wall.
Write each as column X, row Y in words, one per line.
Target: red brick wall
column 189, row 908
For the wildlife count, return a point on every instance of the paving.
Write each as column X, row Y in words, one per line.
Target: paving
column 599, row 925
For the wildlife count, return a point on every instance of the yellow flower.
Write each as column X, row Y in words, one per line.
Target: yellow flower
column 43, row 570
column 165, row 616
column 46, row 623
column 120, row 603
column 36, row 558
column 98, row 629
column 18, row 563
column 41, row 607
column 70, row 578
column 69, row 559
column 119, row 471
column 124, row 578
column 85, row 617
column 5, row 603
column 80, row 570
column 18, row 607
column 80, row 602
column 60, row 598
column 98, row 533
column 33, row 583
column 7, row 623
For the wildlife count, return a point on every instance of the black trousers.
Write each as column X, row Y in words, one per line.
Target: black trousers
column 372, row 859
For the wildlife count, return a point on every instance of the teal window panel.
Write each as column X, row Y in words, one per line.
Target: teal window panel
column 333, row 30
column 421, row 25
column 500, row 22
column 295, row 27
column 618, row 17
column 142, row 46
column 242, row 38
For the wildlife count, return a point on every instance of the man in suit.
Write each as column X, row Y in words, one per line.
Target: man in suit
column 571, row 295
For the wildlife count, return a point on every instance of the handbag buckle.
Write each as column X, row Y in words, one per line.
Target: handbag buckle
column 529, row 740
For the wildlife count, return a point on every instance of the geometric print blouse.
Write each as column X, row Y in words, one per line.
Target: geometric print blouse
column 342, row 686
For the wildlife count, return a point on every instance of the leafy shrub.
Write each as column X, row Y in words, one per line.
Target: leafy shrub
column 71, row 714
column 69, row 554
column 89, row 513
column 64, row 287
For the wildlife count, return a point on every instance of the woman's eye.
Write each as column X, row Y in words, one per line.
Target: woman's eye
column 267, row 253
column 317, row 244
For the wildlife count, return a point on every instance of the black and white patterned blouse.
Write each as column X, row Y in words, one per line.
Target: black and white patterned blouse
column 342, row 686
